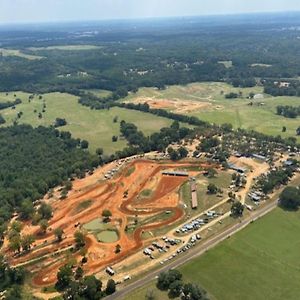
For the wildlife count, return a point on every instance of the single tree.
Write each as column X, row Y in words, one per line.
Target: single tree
column 118, row 248
column 99, row 151
column 183, row 152
column 58, row 232
column 150, row 295
column 16, row 226
column 84, row 144
column 193, row 292
column 79, row 239
column 15, row 244
column 175, row 289
column 290, row 198
column 79, row 273
column 64, row 277
column 26, row 210
column 106, row 214
column 43, row 225
column 212, row 189
column 27, row 241
column 110, row 287
column 211, row 173
column 91, row 287
column 237, row 209
column 45, row 210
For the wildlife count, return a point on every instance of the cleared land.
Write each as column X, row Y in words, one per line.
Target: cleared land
column 106, row 195
column 222, row 180
column 260, row 262
column 96, row 126
column 19, row 53
column 207, row 101
column 67, row 48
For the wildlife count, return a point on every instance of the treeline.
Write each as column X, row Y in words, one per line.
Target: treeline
column 32, row 161
column 74, row 285
column 2, row 120
column 4, row 105
column 276, row 178
column 288, row 111
column 144, row 107
column 159, row 141
column 275, row 89
column 172, row 282
column 11, row 280
column 94, row 102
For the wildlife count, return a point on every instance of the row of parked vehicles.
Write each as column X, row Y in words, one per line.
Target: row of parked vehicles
column 161, row 248
column 198, row 222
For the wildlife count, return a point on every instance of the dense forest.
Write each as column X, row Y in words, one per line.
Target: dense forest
column 35, row 160
column 128, row 55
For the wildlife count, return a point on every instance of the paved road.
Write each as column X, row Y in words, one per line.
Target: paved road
column 194, row 252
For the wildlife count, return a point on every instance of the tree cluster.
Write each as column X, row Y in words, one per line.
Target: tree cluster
column 288, row 111
column 290, row 198
column 75, row 285
column 171, row 281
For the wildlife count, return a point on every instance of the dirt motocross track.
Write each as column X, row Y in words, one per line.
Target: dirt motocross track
column 107, row 195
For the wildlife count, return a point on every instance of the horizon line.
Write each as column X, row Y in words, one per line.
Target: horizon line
column 70, row 21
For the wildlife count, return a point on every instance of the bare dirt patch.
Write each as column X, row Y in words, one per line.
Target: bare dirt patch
column 106, row 195
column 176, row 105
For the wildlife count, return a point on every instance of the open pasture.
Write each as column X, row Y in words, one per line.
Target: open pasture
column 207, row 101
column 95, row 126
column 260, row 262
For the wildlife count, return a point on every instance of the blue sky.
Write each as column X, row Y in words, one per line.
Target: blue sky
column 12, row 11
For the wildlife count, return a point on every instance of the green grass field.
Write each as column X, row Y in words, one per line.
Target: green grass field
column 96, row 126
column 19, row 53
column 234, row 111
column 260, row 262
column 67, row 48
column 222, row 181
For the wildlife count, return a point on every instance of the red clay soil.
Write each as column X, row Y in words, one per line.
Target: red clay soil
column 107, row 195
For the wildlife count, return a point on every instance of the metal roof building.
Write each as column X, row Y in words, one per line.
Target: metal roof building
column 194, row 200
column 176, row 173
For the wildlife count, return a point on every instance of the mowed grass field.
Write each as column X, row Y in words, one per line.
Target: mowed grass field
column 235, row 111
column 260, row 262
column 96, row 126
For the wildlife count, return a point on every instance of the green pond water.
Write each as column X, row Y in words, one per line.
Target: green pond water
column 107, row 236
column 100, row 230
column 95, row 225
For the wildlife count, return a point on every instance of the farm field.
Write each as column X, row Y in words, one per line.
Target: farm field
column 96, row 126
column 207, row 101
column 260, row 262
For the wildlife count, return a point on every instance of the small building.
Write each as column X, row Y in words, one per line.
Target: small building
column 176, row 173
column 193, row 186
column 260, row 157
column 288, row 163
column 194, row 200
column 236, row 168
